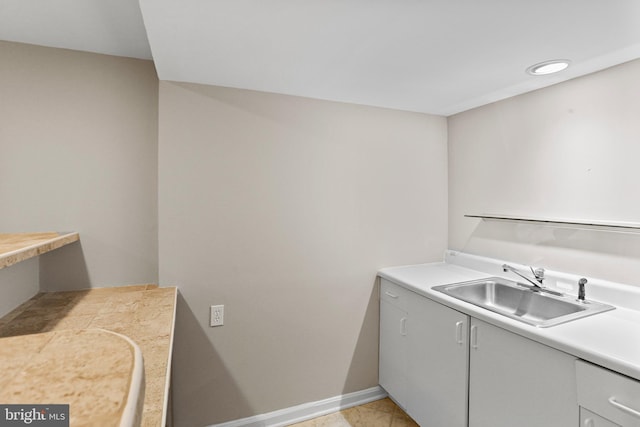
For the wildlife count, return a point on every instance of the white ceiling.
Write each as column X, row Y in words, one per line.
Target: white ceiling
column 433, row 56
column 112, row 27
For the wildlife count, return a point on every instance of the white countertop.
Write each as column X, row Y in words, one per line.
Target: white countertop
column 610, row 339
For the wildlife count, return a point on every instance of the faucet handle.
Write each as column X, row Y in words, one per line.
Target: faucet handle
column 581, row 292
column 538, row 273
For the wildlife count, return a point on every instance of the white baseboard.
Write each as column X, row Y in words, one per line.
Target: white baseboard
column 307, row 411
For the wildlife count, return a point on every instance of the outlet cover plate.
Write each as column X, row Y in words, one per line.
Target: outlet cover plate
column 217, row 315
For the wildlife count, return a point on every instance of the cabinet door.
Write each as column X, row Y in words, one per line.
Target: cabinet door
column 609, row 394
column 589, row 419
column 393, row 351
column 437, row 362
column 515, row 381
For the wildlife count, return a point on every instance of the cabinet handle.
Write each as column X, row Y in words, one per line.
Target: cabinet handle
column 624, row 408
column 459, row 333
column 403, row 326
column 588, row 422
column 389, row 294
column 474, row 337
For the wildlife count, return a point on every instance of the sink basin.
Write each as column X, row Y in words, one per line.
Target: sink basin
column 522, row 302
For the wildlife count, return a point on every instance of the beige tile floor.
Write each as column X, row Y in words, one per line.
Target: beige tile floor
column 381, row 413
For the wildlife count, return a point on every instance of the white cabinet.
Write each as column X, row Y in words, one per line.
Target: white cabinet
column 606, row 396
column 447, row 369
column 393, row 341
column 589, row 419
column 420, row 342
column 438, row 351
column 515, row 381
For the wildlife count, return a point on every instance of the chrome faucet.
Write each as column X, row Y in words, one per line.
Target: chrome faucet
column 538, row 274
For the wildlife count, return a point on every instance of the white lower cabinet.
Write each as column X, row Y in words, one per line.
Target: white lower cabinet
column 424, row 354
column 438, row 353
column 393, row 370
column 514, row 381
column 447, row 369
column 393, row 352
column 607, row 398
column 589, row 419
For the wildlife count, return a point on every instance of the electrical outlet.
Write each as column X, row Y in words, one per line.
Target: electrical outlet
column 217, row 315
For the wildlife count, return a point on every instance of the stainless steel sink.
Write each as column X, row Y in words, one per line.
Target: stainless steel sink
column 522, row 302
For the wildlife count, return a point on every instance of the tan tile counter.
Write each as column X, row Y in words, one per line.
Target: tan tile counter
column 145, row 314
column 98, row 372
column 16, row 247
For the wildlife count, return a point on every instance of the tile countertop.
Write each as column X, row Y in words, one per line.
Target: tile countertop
column 144, row 313
column 105, row 366
column 610, row 339
column 16, row 247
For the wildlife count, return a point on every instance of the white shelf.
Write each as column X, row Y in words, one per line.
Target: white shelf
column 572, row 223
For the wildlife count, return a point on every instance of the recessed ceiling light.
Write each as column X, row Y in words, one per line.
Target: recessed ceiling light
column 548, row 67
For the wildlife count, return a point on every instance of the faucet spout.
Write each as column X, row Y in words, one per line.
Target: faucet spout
column 538, row 274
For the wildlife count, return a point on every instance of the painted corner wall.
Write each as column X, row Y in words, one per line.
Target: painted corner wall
column 283, row 209
column 18, row 283
column 78, row 144
column 279, row 207
column 566, row 151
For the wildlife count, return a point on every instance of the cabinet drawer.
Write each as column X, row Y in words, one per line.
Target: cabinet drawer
column 608, row 394
column 394, row 294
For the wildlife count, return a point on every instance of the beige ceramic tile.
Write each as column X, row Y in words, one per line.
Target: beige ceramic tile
column 70, row 322
column 362, row 417
column 16, row 247
column 154, row 393
column 400, row 419
column 26, row 325
column 380, row 413
column 144, row 313
column 115, row 322
column 96, row 388
column 151, row 419
column 52, row 311
column 10, row 242
column 62, row 299
column 156, row 292
column 121, row 304
column 384, row 405
column 116, row 290
column 83, row 307
column 16, row 352
column 331, row 420
column 155, row 355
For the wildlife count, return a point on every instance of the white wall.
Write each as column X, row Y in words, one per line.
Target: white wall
column 569, row 151
column 283, row 209
column 78, row 144
column 18, row 283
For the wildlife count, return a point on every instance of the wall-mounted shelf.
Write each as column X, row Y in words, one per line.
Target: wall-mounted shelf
column 572, row 223
column 16, row 247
